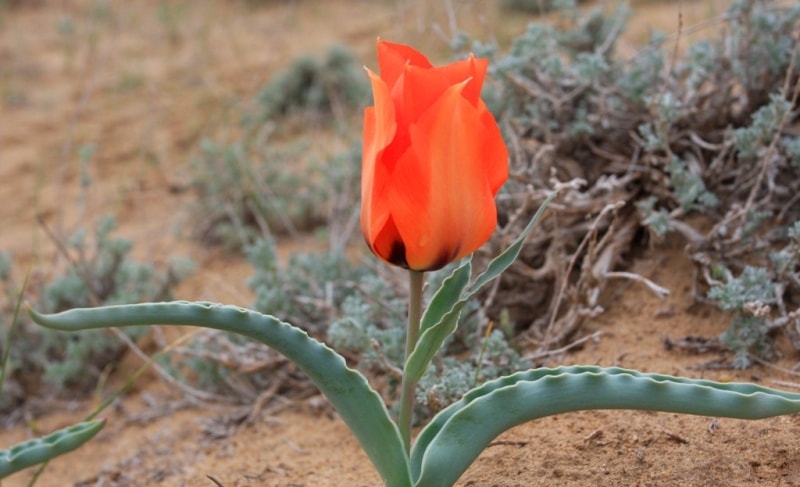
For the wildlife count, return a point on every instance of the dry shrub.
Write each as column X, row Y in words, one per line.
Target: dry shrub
column 704, row 144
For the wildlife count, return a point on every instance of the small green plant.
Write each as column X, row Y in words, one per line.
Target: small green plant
column 100, row 272
column 312, row 89
column 245, row 192
column 539, row 6
column 261, row 186
column 749, row 297
column 38, row 450
column 309, row 288
column 757, row 298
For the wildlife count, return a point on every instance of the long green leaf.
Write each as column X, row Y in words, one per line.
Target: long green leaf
column 357, row 403
column 431, row 340
column 459, row 433
column 432, row 336
column 439, row 321
column 38, row 450
column 447, row 295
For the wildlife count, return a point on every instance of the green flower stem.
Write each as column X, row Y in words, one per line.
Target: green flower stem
column 409, row 384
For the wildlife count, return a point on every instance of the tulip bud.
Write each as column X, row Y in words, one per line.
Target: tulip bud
column 433, row 160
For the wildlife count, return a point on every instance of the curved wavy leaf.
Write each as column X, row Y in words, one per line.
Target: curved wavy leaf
column 459, row 433
column 357, row 403
column 38, row 450
column 447, row 295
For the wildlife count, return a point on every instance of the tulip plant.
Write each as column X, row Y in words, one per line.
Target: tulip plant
column 433, row 160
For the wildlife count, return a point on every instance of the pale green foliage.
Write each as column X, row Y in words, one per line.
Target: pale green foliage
column 785, row 261
column 102, row 272
column 372, row 324
column 250, row 189
column 656, row 220
column 312, row 88
column 245, row 191
column 748, row 335
column 359, row 312
column 758, row 33
column 689, row 188
column 792, row 147
column 752, row 285
column 539, row 6
column 754, row 296
column 748, row 331
column 450, row 378
column 378, row 335
column 755, row 138
column 5, row 266
column 308, row 289
column 258, row 185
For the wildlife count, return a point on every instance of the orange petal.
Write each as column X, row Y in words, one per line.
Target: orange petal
column 418, row 90
column 379, row 129
column 392, row 59
column 388, row 245
column 494, row 150
column 473, row 68
column 441, row 199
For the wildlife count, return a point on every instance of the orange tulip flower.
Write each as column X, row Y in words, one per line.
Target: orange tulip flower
column 433, row 160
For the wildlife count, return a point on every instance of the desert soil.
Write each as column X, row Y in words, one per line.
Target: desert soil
column 143, row 82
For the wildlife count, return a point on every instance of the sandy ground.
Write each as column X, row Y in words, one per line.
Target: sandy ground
column 143, row 88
